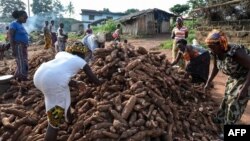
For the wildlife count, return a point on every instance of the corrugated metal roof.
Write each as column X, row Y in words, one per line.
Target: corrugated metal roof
column 143, row 12
column 89, row 11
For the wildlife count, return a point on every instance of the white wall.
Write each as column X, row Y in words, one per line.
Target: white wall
column 85, row 18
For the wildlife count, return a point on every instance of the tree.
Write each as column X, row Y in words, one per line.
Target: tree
column 179, row 9
column 132, row 10
column 57, row 7
column 8, row 6
column 106, row 10
column 197, row 3
column 41, row 6
column 70, row 9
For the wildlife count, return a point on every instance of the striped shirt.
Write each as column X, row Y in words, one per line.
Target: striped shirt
column 179, row 33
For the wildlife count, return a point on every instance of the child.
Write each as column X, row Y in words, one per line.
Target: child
column 116, row 34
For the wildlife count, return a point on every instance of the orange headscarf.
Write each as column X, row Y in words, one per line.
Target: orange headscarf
column 215, row 37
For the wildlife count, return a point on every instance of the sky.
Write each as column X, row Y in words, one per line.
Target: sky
column 118, row 5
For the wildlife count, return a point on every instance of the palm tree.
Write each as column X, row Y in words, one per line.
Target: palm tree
column 70, row 9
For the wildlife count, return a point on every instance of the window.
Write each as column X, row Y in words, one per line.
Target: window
column 91, row 17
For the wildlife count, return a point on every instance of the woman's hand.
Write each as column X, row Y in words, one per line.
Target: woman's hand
column 81, row 86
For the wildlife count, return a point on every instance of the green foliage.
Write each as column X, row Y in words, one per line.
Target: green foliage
column 41, row 6
column 46, row 6
column 132, row 10
column 191, row 30
column 109, row 26
column 74, row 36
column 167, row 44
column 2, row 37
column 57, row 7
column 6, row 19
column 191, row 36
column 70, row 9
column 8, row 6
column 196, row 3
column 190, row 24
column 179, row 9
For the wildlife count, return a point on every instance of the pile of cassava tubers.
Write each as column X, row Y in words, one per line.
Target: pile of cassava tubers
column 142, row 99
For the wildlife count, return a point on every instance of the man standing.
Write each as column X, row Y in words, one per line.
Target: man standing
column 61, row 38
column 53, row 32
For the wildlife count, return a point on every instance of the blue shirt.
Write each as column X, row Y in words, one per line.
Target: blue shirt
column 90, row 41
column 21, row 34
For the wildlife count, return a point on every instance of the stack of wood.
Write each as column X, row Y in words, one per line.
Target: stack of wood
column 142, row 99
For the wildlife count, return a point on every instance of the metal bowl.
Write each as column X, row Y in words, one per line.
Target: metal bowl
column 5, row 78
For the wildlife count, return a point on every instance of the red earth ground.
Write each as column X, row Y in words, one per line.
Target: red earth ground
column 153, row 43
column 219, row 82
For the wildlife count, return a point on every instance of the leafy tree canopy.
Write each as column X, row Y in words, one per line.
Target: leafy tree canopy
column 197, row 3
column 179, row 9
column 46, row 6
column 57, row 7
column 132, row 10
column 8, row 6
column 41, row 6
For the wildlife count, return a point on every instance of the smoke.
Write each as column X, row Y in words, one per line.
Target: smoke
column 31, row 23
column 36, row 22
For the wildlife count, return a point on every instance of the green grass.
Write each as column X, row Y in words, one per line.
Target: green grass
column 191, row 36
column 167, row 44
column 74, row 36
column 2, row 37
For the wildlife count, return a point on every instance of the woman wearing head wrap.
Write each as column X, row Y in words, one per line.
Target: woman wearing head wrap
column 53, row 79
column 233, row 60
column 19, row 42
column 179, row 32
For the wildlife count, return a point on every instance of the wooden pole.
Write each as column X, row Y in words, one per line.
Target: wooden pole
column 29, row 8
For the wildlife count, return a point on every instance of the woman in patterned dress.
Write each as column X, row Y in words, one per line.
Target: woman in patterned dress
column 47, row 36
column 234, row 61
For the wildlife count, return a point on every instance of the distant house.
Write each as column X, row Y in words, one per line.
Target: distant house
column 93, row 16
column 146, row 22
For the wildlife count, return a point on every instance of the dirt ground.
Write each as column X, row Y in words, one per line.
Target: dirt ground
column 153, row 43
column 219, row 82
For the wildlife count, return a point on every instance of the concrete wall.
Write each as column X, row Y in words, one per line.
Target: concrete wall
column 86, row 21
column 77, row 27
column 236, row 31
